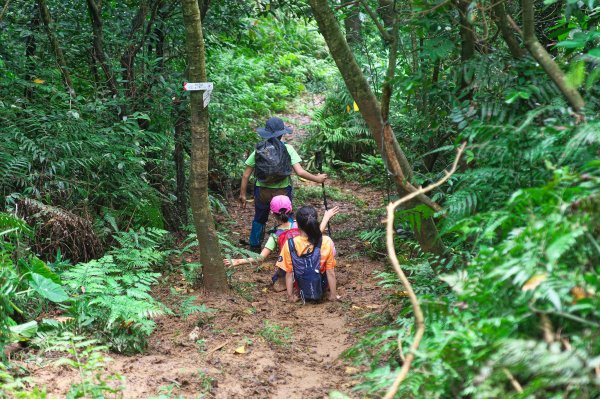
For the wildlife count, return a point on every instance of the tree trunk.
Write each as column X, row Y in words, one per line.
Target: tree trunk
column 385, row 9
column 179, row 157
column 98, row 42
column 467, row 40
column 128, row 57
column 30, row 47
column 214, row 278
column 60, row 57
column 539, row 53
column 353, row 25
column 499, row 14
column 372, row 114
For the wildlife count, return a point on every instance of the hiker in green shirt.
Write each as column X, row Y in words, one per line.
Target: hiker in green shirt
column 265, row 190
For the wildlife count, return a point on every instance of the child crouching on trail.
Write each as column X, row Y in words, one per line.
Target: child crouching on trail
column 308, row 260
column 281, row 206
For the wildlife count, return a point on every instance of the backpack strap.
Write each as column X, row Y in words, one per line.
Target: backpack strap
column 291, row 246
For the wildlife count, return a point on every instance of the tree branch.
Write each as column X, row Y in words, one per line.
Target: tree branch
column 386, row 36
column 516, row 385
column 4, row 9
column 539, row 53
column 418, row 312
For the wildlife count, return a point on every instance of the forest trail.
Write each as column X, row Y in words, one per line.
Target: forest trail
column 255, row 344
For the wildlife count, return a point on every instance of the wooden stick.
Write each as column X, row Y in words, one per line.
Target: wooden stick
column 419, row 319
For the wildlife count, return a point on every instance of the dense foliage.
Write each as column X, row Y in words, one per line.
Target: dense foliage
column 512, row 311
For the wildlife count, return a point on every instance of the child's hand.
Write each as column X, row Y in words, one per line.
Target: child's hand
column 334, row 297
column 332, row 212
column 293, row 298
column 229, row 262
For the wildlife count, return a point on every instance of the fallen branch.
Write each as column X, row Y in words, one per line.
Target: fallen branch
column 419, row 319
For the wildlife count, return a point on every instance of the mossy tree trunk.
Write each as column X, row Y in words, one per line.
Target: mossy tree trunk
column 214, row 278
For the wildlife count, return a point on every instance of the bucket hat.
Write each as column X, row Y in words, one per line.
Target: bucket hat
column 273, row 128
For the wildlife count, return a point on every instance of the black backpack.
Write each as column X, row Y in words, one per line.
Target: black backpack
column 273, row 162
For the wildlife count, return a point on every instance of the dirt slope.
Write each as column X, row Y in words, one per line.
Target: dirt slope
column 288, row 350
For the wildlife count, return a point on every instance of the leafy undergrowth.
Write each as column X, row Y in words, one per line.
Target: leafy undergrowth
column 522, row 319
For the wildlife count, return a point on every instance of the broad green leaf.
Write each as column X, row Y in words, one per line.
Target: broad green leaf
column 25, row 331
column 34, row 265
column 48, row 288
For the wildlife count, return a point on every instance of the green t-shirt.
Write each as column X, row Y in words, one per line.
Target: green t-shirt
column 273, row 239
column 295, row 158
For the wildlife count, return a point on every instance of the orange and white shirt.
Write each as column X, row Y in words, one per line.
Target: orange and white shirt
column 303, row 246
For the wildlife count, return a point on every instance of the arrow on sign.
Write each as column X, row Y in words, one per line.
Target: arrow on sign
column 206, row 86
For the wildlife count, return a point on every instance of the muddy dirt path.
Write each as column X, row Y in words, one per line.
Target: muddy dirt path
column 254, row 344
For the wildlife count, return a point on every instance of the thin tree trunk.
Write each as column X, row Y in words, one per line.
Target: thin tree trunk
column 467, row 40
column 6, row 4
column 372, row 114
column 214, row 277
column 127, row 59
column 179, row 157
column 203, row 5
column 30, row 47
column 98, row 43
column 60, row 57
column 353, row 25
column 539, row 53
column 385, row 9
column 499, row 13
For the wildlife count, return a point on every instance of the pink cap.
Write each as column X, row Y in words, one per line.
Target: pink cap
column 281, row 202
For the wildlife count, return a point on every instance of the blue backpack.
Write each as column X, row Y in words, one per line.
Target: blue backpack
column 307, row 272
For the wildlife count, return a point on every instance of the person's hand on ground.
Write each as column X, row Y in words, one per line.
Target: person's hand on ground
column 331, row 212
column 293, row 298
column 242, row 200
column 321, row 177
column 334, row 298
column 230, row 262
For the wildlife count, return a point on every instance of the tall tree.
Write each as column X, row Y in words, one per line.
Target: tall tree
column 210, row 251
column 373, row 114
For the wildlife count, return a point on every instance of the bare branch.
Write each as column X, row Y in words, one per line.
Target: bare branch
column 350, row 3
column 4, row 9
column 418, row 312
column 513, row 380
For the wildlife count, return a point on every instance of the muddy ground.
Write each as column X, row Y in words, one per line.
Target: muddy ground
column 255, row 344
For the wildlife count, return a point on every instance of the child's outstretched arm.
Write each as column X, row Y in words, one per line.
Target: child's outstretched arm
column 327, row 216
column 237, row 262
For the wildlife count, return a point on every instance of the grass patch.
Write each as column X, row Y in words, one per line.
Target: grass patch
column 276, row 335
